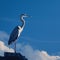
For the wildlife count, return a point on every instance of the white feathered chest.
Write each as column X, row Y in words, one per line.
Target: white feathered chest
column 19, row 30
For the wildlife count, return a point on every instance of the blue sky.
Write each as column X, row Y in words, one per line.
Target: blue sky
column 42, row 30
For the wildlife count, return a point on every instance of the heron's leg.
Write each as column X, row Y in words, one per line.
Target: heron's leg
column 15, row 47
column 9, row 46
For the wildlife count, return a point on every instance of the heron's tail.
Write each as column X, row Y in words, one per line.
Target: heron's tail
column 9, row 42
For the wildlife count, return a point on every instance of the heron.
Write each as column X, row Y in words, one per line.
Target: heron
column 17, row 31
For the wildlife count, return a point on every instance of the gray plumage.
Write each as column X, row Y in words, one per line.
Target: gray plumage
column 14, row 35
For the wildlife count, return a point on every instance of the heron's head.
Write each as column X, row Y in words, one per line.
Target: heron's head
column 24, row 15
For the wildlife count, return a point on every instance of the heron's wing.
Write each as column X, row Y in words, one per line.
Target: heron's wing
column 13, row 35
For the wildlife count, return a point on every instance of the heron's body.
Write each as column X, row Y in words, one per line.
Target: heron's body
column 15, row 34
column 17, row 30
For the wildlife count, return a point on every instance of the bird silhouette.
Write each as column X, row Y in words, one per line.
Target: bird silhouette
column 17, row 31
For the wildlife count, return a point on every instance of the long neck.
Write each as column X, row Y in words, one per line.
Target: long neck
column 23, row 22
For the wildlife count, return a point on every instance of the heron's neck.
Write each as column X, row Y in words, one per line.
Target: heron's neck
column 23, row 22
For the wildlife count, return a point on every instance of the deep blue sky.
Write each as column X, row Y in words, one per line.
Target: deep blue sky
column 42, row 30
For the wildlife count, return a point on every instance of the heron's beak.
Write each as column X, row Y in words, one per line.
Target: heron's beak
column 28, row 16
